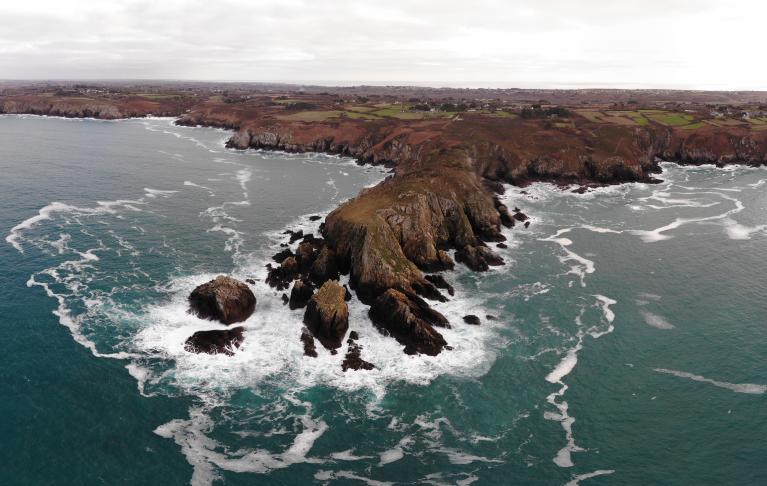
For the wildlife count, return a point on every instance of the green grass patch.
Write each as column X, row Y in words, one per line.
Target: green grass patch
column 692, row 126
column 360, row 116
column 670, row 119
column 311, row 116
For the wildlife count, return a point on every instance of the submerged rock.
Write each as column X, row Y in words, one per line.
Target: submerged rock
column 410, row 321
column 471, row 319
column 219, row 341
column 223, row 299
column 327, row 315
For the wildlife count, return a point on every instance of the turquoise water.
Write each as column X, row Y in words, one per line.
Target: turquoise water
column 629, row 345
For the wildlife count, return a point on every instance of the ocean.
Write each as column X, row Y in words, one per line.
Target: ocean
column 628, row 345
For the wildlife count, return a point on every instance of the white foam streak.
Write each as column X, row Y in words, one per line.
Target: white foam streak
column 203, row 454
column 580, row 477
column 749, row 388
column 567, row 364
column 656, row 321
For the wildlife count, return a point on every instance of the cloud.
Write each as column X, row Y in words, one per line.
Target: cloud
column 631, row 43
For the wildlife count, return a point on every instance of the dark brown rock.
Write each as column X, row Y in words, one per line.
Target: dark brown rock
column 223, row 299
column 280, row 256
column 478, row 258
column 327, row 315
column 309, row 348
column 305, row 256
column 347, row 294
column 410, row 321
column 219, row 341
column 440, row 282
column 471, row 319
column 353, row 359
column 502, row 246
column 315, row 218
column 281, row 276
column 300, row 294
column 324, row 267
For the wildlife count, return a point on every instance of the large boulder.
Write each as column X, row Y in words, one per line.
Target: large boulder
column 300, row 294
column 219, row 341
column 223, row 299
column 327, row 315
column 410, row 321
column 324, row 267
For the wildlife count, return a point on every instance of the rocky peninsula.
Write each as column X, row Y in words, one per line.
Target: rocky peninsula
column 450, row 159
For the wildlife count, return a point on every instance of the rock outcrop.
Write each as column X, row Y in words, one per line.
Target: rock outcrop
column 327, row 315
column 223, row 299
column 353, row 359
column 300, row 294
column 410, row 321
column 218, row 341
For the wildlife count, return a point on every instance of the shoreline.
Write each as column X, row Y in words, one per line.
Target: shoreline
column 440, row 205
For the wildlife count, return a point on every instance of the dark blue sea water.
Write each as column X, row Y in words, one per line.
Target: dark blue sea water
column 629, row 346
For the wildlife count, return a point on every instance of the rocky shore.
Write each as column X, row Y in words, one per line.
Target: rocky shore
column 439, row 208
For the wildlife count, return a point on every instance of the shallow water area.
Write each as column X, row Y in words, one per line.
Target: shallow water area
column 594, row 365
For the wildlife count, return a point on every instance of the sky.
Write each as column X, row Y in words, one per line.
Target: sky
column 686, row 44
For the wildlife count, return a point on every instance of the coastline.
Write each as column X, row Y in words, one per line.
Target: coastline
column 441, row 205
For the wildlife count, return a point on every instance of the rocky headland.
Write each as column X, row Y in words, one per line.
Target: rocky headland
column 438, row 208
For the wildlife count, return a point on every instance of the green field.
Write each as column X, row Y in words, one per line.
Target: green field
column 670, row 119
column 311, row 116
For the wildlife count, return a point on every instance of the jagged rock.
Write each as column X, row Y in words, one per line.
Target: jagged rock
column 300, row 294
column 295, row 235
column 305, row 256
column 250, row 281
column 327, row 315
column 471, row 319
column 440, row 282
column 223, row 299
column 427, row 289
column 219, row 341
column 309, row 348
column 347, row 295
column 353, row 359
column 285, row 299
column 502, row 246
column 315, row 218
column 410, row 321
column 520, row 216
column 478, row 258
column 280, row 257
column 281, row 276
column 324, row 267
column 490, row 317
column 527, row 224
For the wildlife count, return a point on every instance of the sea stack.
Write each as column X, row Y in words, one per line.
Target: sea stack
column 223, row 299
column 327, row 315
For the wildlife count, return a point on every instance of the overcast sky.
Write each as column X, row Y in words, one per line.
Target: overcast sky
column 698, row 44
